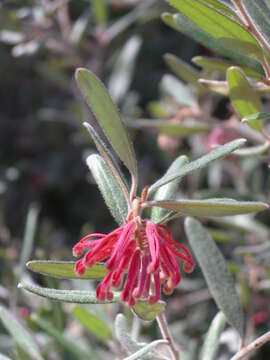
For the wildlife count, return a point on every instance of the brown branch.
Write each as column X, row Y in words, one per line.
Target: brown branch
column 256, row 344
column 166, row 334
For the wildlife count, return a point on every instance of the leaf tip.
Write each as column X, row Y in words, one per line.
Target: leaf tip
column 19, row 286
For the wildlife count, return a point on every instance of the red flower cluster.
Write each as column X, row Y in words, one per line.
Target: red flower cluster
column 143, row 250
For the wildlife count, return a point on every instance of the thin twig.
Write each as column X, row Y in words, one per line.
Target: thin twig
column 256, row 344
column 166, row 334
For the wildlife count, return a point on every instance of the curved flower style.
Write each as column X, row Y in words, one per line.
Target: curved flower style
column 146, row 251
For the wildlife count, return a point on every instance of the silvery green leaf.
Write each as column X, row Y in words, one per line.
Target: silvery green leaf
column 219, row 280
column 167, row 191
column 109, row 188
column 171, row 86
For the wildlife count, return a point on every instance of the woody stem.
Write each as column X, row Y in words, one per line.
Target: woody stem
column 166, row 334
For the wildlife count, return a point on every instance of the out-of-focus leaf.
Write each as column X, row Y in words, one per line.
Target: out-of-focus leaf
column 243, row 96
column 70, row 296
column 217, row 87
column 211, row 63
column 181, row 23
column 211, row 342
column 180, row 92
column 256, row 120
column 109, row 159
column 167, row 191
column 210, row 207
column 148, row 312
column 146, row 349
column 218, row 278
column 218, row 26
column 67, row 343
column 259, row 12
column 112, row 193
column 218, row 153
column 174, row 129
column 103, row 108
column 4, row 357
column 21, row 336
column 65, row 269
column 123, row 70
column 183, row 70
column 92, row 323
column 100, row 11
column 253, row 150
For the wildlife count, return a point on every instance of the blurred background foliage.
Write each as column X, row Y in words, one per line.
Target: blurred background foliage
column 48, row 199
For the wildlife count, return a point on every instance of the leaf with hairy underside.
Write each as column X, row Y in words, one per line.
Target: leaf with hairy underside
column 213, row 265
column 65, row 269
column 112, row 193
column 219, row 26
column 100, row 103
column 210, row 207
column 211, row 342
column 243, row 96
column 109, row 159
column 167, row 191
column 181, row 23
column 205, row 160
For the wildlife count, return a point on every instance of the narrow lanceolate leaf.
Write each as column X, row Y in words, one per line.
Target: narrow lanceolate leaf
column 112, row 193
column 146, row 311
column 215, row 86
column 222, row 8
column 211, row 207
column 65, row 269
column 21, row 336
column 218, row 153
column 181, row 23
column 256, row 120
column 70, row 296
column 4, row 357
column 171, row 86
column 146, row 349
column 243, row 96
column 183, row 70
column 92, row 323
column 167, row 191
column 214, row 64
column 180, row 129
column 109, row 159
column 218, row 278
column 218, row 26
column 259, row 13
column 211, row 342
column 78, row 351
column 253, row 150
column 103, row 108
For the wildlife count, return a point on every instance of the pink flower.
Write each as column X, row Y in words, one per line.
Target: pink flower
column 140, row 257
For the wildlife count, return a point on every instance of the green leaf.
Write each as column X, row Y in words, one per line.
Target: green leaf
column 100, row 11
column 112, row 193
column 148, row 312
column 183, row 70
column 215, row 86
column 123, row 69
column 211, row 342
column 218, row 26
column 103, row 108
column 221, row 7
column 21, row 336
column 256, row 121
column 210, row 207
column 259, row 13
column 220, row 281
column 167, row 191
column 211, row 63
column 146, row 349
column 215, row 154
column 65, row 269
column 70, row 296
column 92, row 323
column 171, row 86
column 180, row 129
column 243, row 96
column 109, row 159
column 181, row 23
column 70, row 345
